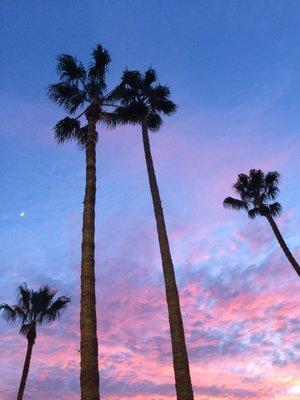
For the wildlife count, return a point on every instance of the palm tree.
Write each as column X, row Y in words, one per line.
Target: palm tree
column 32, row 309
column 142, row 102
column 80, row 87
column 257, row 192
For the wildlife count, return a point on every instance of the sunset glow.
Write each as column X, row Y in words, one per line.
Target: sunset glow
column 233, row 69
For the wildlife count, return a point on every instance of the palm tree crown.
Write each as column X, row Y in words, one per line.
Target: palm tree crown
column 33, row 308
column 257, row 192
column 80, row 88
column 142, row 99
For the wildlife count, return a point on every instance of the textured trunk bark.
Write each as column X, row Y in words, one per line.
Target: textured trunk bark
column 21, row 390
column 89, row 370
column 183, row 382
column 283, row 245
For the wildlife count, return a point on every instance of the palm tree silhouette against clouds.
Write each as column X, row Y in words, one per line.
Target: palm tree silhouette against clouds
column 257, row 192
column 33, row 308
column 143, row 102
column 80, row 87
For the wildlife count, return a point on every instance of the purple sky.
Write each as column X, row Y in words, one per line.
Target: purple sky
column 233, row 68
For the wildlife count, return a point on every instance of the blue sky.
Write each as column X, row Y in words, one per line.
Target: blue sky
column 233, row 69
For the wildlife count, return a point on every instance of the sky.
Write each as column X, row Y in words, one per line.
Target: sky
column 233, row 69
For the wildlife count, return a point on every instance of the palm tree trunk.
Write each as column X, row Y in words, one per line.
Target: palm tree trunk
column 89, row 372
column 21, row 390
column 283, row 245
column 183, row 382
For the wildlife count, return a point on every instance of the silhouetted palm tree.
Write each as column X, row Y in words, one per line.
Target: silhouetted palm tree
column 33, row 308
column 257, row 192
column 143, row 101
column 79, row 87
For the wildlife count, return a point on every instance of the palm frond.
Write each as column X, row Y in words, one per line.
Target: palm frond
column 122, row 95
column 130, row 88
column 24, row 295
column 131, row 78
column 272, row 178
column 113, row 96
column 154, row 122
column 128, row 95
column 25, row 329
column 21, row 313
column 8, row 312
column 271, row 192
column 164, row 106
column 94, row 91
column 256, row 179
column 235, row 204
column 123, row 116
column 110, row 119
column 56, row 308
column 160, row 92
column 44, row 297
column 133, row 113
column 159, row 100
column 150, row 76
column 254, row 212
column 275, row 209
column 37, row 304
column 99, row 66
column 69, row 68
column 271, row 184
column 66, row 129
column 67, row 95
column 81, row 137
column 241, row 186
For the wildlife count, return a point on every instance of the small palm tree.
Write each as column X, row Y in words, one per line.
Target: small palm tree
column 32, row 309
column 142, row 102
column 257, row 193
column 80, row 87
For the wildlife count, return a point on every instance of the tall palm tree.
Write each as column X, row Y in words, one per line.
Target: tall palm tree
column 257, row 192
column 32, row 309
column 80, row 87
column 143, row 101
